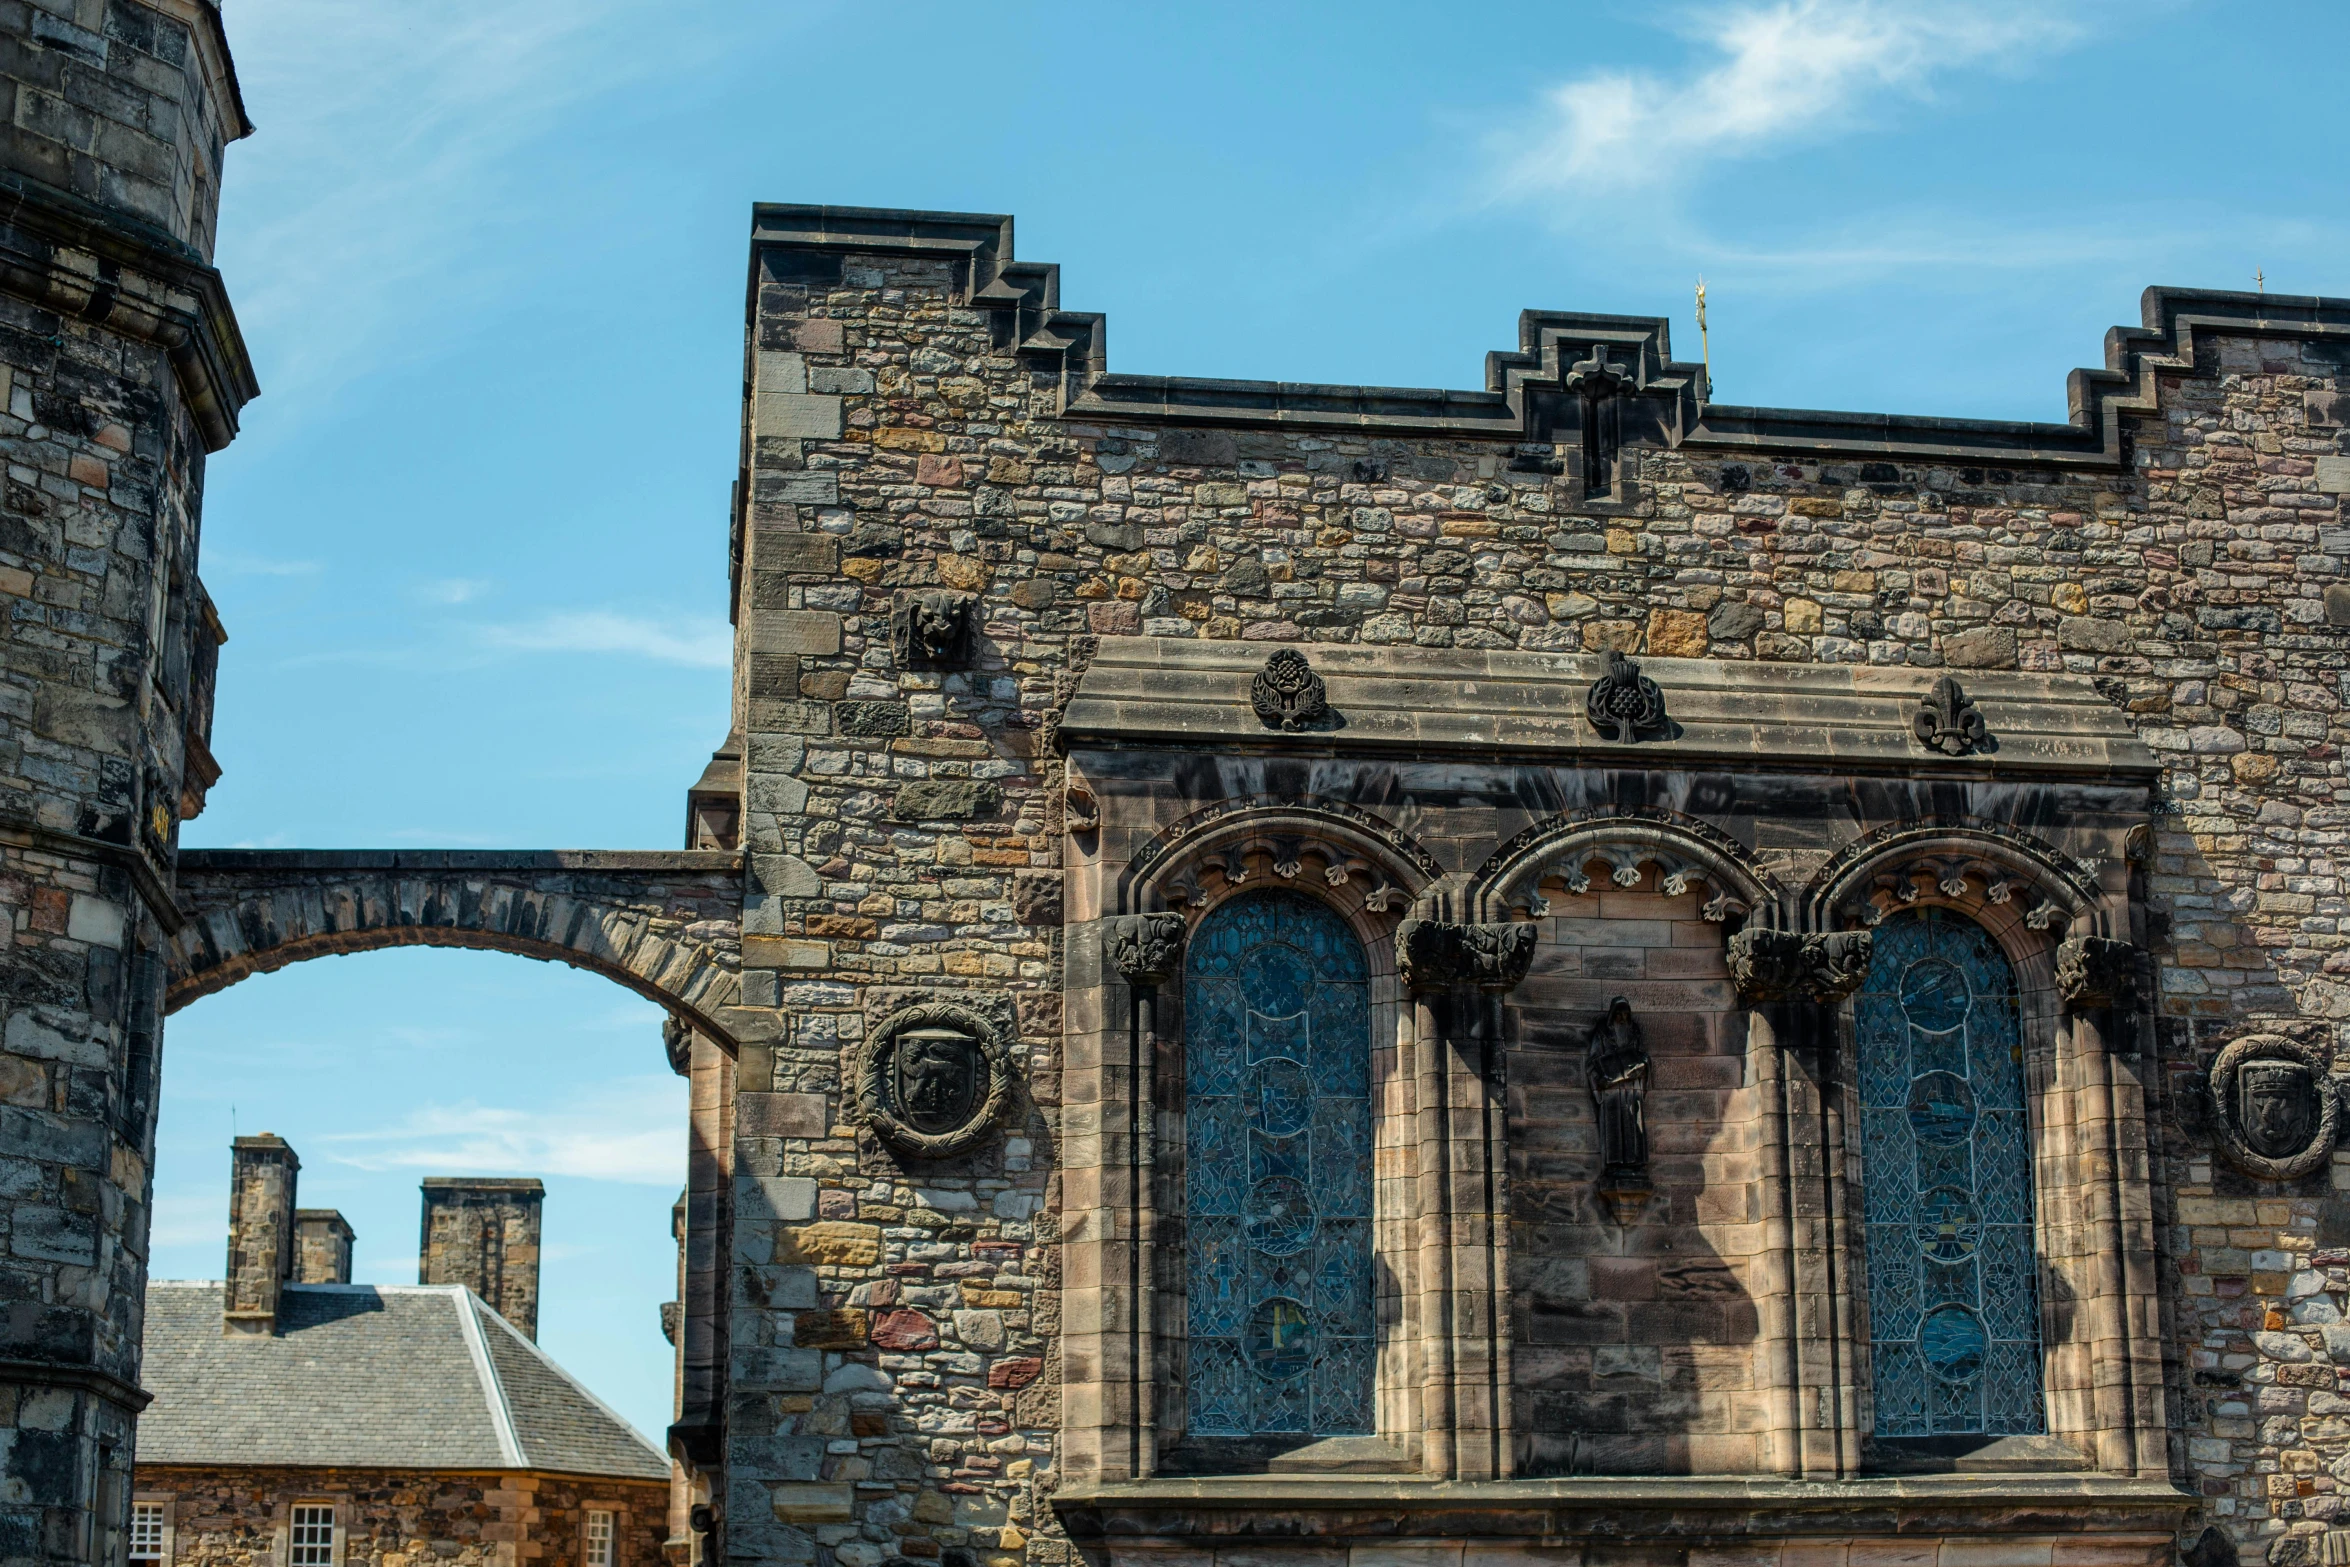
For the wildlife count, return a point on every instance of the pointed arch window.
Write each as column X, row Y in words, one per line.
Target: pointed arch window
column 1954, row 1314
column 1277, row 1182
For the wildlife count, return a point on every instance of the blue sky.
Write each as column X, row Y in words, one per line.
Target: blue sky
column 490, row 255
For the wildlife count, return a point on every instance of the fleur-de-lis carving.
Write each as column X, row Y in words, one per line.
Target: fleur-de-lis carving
column 1948, row 721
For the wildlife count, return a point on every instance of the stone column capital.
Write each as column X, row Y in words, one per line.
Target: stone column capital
column 1438, row 955
column 1785, row 965
column 2095, row 971
column 1144, row 948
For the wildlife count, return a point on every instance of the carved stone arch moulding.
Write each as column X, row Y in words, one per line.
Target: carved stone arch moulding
column 1575, row 855
column 1355, row 859
column 2276, row 1109
column 934, row 1079
column 1973, row 867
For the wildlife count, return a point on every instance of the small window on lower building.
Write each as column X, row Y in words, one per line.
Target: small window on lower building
column 146, row 1531
column 599, row 1539
column 312, row 1542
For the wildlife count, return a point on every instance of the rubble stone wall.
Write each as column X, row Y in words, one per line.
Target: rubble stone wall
column 237, row 1517
column 894, row 1326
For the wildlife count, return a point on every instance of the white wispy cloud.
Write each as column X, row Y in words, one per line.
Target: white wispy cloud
column 620, row 1132
column 704, row 642
column 372, row 212
column 451, row 590
column 1781, row 74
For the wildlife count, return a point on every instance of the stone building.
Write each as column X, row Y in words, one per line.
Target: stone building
column 301, row 1420
column 1297, row 973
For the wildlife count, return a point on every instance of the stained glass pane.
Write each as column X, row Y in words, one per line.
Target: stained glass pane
column 1954, row 1316
column 1277, row 1183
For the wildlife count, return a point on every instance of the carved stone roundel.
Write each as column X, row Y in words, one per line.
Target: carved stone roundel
column 933, row 1080
column 2275, row 1107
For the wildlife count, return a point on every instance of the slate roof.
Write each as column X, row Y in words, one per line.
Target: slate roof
column 382, row 1376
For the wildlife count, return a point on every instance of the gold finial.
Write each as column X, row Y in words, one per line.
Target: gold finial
column 1704, row 345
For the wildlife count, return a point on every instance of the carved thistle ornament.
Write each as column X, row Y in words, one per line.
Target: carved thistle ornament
column 1781, row 965
column 1948, row 721
column 1625, row 705
column 2275, row 1107
column 933, row 1080
column 1287, row 694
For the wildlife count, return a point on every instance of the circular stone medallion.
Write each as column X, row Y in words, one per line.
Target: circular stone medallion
column 1951, row 1342
column 1280, row 1216
column 1941, row 1108
column 1278, row 1341
column 1934, row 995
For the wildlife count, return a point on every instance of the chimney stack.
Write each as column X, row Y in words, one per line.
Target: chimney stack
column 262, row 1172
column 322, row 1246
column 485, row 1233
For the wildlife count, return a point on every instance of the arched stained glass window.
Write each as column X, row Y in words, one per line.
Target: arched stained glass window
column 1954, row 1310
column 1277, row 1176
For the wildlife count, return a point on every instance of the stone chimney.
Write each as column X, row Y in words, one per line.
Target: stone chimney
column 322, row 1247
column 486, row 1234
column 262, row 1171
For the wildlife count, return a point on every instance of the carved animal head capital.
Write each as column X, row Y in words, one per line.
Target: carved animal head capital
column 1948, row 721
column 1435, row 955
column 1780, row 965
column 1625, row 705
column 1144, row 948
column 931, row 628
column 2092, row 971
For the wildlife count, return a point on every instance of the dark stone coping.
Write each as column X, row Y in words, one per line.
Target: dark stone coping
column 1304, row 1508
column 1524, row 387
column 296, row 862
column 25, row 831
column 1189, row 693
column 87, row 1378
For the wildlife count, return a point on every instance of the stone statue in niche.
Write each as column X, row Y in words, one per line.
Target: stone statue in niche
column 1287, row 694
column 1616, row 1066
column 1625, row 705
column 930, row 628
column 933, row 1080
column 2275, row 1107
column 1948, row 721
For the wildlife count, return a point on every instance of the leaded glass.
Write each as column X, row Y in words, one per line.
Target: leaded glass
column 1954, row 1317
column 1277, row 1182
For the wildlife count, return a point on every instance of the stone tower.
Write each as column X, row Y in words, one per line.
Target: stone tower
column 121, row 369
column 485, row 1234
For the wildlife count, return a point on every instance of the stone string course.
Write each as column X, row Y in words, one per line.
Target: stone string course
column 894, row 1364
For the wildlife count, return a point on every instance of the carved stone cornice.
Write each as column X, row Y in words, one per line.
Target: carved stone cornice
column 1436, row 955
column 2094, row 971
column 75, row 257
column 1144, row 948
column 1785, row 965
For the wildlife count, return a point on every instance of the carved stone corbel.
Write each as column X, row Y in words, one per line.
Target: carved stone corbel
column 1144, row 948
column 2093, row 971
column 1434, row 955
column 1783, row 965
